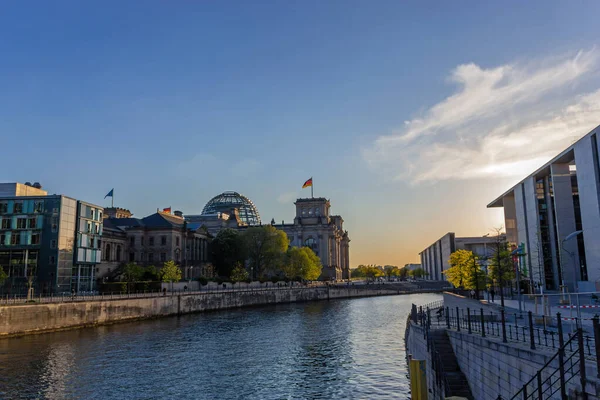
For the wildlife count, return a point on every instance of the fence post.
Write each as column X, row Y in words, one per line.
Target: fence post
column 469, row 320
column 596, row 322
column 531, row 337
column 457, row 319
column 525, row 392
column 413, row 313
column 482, row 322
column 581, row 363
column 539, row 383
column 421, row 315
column 503, row 320
column 561, row 357
column 448, row 317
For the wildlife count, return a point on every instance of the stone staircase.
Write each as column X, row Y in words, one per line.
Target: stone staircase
column 456, row 380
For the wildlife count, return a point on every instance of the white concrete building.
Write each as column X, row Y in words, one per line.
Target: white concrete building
column 436, row 258
column 546, row 211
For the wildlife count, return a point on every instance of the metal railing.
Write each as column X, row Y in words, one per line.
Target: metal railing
column 572, row 349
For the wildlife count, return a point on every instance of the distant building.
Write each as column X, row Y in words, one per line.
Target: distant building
column 313, row 227
column 435, row 258
column 52, row 240
column 153, row 240
column 553, row 214
column 117, row 212
column 412, row 267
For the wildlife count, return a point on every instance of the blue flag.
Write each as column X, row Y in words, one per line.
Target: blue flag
column 110, row 194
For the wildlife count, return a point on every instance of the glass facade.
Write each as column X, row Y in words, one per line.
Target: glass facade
column 38, row 244
column 544, row 213
column 227, row 201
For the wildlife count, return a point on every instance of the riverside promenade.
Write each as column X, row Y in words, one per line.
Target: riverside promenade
column 476, row 345
column 47, row 314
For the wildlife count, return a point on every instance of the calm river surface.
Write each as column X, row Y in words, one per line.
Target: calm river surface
column 344, row 349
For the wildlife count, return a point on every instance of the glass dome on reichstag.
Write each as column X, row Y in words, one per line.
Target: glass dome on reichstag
column 227, row 201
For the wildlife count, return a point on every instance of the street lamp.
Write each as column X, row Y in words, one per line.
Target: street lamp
column 572, row 254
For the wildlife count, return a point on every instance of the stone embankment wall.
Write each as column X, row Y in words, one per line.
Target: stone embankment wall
column 416, row 347
column 35, row 318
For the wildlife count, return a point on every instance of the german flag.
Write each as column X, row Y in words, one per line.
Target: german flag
column 167, row 210
column 307, row 183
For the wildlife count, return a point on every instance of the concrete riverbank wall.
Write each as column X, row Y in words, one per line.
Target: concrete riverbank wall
column 494, row 368
column 25, row 319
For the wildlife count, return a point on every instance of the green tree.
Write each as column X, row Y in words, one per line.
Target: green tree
column 132, row 272
column 150, row 273
column 3, row 276
column 403, row 273
column 417, row 273
column 170, row 272
column 227, row 251
column 302, row 263
column 501, row 268
column 465, row 271
column 266, row 247
column 391, row 270
column 238, row 273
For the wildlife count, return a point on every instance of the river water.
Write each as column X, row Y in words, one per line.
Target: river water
column 342, row 349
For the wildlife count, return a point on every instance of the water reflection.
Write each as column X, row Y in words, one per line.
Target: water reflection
column 338, row 349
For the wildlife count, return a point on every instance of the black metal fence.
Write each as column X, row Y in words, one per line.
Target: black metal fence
column 572, row 348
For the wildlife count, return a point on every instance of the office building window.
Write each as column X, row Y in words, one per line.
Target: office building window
column 18, row 207
column 5, row 223
column 177, row 241
column 31, row 223
column 132, row 241
column 2, row 238
column 151, row 240
column 52, row 260
column 35, row 238
column 3, row 207
column 163, row 240
column 53, row 244
column 92, row 213
column 142, row 258
column 131, row 257
column 15, row 239
column 38, row 206
column 150, row 257
column 21, row 223
column 89, row 227
column 163, row 257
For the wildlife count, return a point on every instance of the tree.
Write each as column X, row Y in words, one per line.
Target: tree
column 132, row 272
column 403, row 273
column 465, row 271
column 501, row 269
column 391, row 270
column 417, row 273
column 227, row 251
column 266, row 247
column 238, row 273
column 150, row 273
column 3, row 276
column 302, row 263
column 170, row 272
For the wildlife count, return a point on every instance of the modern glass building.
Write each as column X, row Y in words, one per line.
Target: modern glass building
column 51, row 241
column 227, row 201
column 554, row 216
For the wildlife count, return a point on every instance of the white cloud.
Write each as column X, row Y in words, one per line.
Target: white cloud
column 286, row 198
column 503, row 121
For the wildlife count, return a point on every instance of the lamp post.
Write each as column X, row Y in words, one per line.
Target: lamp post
column 519, row 254
column 575, row 284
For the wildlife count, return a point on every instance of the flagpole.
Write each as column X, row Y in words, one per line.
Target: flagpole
column 311, row 187
column 112, row 199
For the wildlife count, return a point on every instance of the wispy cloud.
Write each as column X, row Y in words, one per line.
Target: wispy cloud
column 286, row 198
column 502, row 121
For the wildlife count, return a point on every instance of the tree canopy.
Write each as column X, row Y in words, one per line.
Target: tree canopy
column 302, row 263
column 3, row 276
column 132, row 272
column 266, row 247
column 227, row 250
column 238, row 273
column 417, row 272
column 367, row 271
column 501, row 267
column 170, row 272
column 465, row 271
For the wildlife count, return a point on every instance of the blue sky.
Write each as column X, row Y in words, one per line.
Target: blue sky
column 407, row 114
